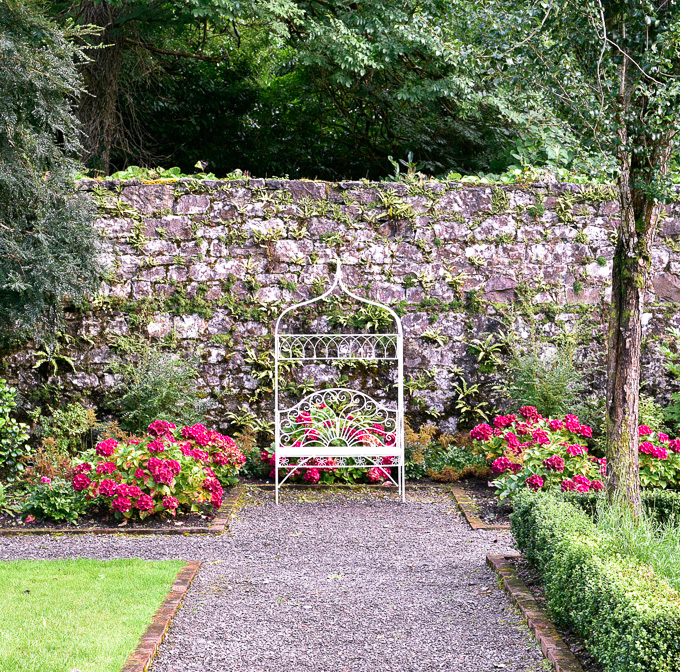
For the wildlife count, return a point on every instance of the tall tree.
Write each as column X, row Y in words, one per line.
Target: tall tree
column 611, row 68
column 48, row 244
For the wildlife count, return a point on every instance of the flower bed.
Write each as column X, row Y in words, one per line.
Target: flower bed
column 627, row 616
column 166, row 471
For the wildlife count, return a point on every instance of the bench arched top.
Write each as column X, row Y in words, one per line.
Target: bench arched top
column 339, row 282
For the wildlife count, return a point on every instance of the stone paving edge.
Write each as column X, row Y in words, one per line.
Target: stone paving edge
column 553, row 646
column 217, row 525
column 141, row 658
column 467, row 507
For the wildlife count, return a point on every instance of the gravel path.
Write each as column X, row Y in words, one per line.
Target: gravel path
column 329, row 582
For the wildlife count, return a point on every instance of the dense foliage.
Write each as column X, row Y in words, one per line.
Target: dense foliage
column 47, row 241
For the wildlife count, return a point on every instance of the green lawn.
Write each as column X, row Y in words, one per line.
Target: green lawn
column 86, row 615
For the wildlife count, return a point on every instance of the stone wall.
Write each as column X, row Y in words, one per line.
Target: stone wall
column 207, row 266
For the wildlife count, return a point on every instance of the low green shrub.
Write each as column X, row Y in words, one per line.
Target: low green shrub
column 627, row 615
column 54, row 500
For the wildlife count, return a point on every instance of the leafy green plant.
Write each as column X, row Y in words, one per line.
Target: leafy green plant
column 156, row 385
column 51, row 355
column 70, row 426
column 550, row 383
column 487, row 351
column 7, row 505
column 671, row 351
column 470, row 409
column 55, row 500
column 13, row 435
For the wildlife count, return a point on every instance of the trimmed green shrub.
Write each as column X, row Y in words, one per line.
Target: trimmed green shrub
column 627, row 616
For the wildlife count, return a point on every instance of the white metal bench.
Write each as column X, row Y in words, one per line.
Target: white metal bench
column 339, row 427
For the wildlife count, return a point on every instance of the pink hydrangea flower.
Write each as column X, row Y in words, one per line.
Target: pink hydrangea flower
column 524, row 428
column 540, row 436
column 481, row 432
column 572, row 423
column 644, row 430
column 556, row 425
column 674, row 445
column 105, row 467
column 121, row 504
column 312, row 475
column 375, row 475
column 530, row 413
column 139, row 474
column 576, row 450
column 554, row 463
column 170, row 502
column 156, row 446
column 144, row 503
column 597, row 486
column 503, row 421
column 83, row 468
column 80, row 482
column 568, row 485
column 585, row 430
column 106, row 448
column 45, row 480
column 535, row 482
column 663, row 438
column 161, row 428
column 500, row 465
column 648, row 448
column 108, row 487
column 515, row 467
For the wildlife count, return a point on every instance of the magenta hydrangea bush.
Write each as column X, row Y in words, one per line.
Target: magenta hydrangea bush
column 529, row 451
column 168, row 470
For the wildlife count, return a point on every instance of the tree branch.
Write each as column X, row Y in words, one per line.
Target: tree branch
column 180, row 54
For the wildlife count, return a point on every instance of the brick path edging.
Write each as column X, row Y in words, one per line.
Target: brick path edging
column 553, row 646
column 467, row 506
column 140, row 659
column 217, row 525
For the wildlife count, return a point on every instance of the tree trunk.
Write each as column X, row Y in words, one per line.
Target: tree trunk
column 623, row 376
column 630, row 273
column 98, row 109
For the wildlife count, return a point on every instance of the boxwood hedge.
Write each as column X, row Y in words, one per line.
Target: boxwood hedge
column 627, row 616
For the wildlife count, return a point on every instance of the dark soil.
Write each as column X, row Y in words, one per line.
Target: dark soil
column 490, row 509
column 532, row 579
column 102, row 519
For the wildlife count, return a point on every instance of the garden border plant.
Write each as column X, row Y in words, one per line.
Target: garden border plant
column 218, row 525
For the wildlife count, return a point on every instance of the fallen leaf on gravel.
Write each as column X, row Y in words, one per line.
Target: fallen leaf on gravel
column 330, row 577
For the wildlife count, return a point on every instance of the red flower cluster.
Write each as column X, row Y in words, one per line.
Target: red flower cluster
column 106, row 448
column 534, row 482
column 649, row 448
column 481, row 432
column 554, row 463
